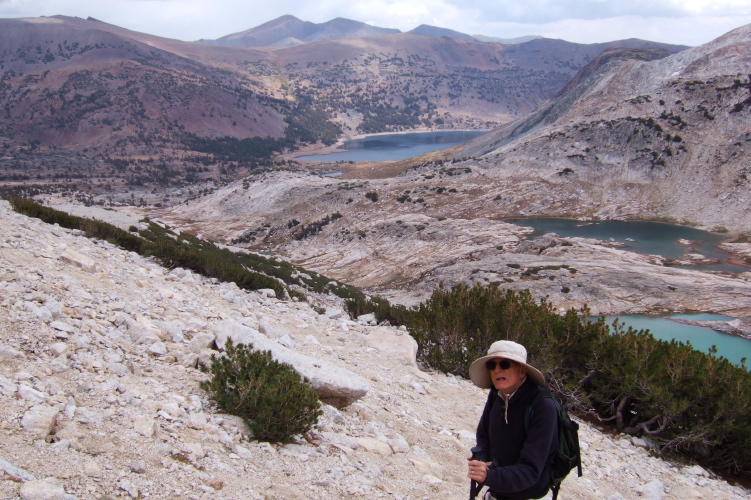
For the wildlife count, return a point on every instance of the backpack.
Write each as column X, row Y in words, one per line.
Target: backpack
column 568, row 455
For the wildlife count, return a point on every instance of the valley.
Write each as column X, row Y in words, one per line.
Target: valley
column 405, row 228
column 142, row 111
column 444, row 225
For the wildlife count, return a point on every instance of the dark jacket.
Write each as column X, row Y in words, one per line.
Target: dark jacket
column 521, row 460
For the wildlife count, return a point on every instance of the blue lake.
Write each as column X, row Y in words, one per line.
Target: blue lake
column 393, row 147
column 652, row 238
column 730, row 347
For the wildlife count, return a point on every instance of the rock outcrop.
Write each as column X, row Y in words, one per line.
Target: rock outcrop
column 335, row 385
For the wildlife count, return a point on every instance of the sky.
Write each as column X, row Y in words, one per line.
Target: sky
column 684, row 22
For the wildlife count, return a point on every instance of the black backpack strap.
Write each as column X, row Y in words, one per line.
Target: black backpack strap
column 555, row 489
column 542, row 393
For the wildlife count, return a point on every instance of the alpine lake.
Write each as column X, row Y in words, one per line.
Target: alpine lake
column 394, row 147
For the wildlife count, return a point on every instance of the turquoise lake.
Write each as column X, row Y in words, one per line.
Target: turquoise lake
column 730, row 347
column 393, row 147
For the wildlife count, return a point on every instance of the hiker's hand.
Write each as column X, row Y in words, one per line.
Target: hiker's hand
column 478, row 470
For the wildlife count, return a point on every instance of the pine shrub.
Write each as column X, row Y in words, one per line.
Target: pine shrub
column 273, row 399
column 395, row 315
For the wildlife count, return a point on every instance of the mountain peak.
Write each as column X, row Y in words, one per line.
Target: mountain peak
column 427, row 30
column 281, row 30
column 286, row 19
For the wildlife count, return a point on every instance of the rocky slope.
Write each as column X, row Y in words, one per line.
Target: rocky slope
column 665, row 139
column 77, row 84
column 100, row 399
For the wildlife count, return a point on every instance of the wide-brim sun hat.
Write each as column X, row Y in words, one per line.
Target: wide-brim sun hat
column 506, row 349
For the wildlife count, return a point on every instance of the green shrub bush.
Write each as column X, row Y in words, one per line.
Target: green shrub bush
column 381, row 308
column 271, row 397
column 691, row 404
column 90, row 227
column 455, row 327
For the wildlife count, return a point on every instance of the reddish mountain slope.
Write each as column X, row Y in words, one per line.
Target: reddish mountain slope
column 86, row 85
column 69, row 82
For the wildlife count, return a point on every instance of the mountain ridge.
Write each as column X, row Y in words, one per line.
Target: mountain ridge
column 134, row 93
column 274, row 33
column 427, row 30
column 507, row 41
column 684, row 113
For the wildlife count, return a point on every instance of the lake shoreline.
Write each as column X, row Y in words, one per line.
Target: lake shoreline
column 728, row 334
column 743, row 331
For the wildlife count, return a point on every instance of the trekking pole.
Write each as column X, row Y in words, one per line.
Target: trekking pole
column 474, row 488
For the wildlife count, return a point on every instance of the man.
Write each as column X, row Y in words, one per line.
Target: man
column 517, row 433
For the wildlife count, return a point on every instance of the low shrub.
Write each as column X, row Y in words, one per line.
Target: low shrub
column 383, row 310
column 271, row 397
column 90, row 227
column 454, row 327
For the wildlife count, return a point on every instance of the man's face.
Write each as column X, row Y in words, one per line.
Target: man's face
column 507, row 375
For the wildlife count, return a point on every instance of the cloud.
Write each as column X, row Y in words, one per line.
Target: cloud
column 547, row 11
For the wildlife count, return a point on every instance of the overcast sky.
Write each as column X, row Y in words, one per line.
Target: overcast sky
column 687, row 22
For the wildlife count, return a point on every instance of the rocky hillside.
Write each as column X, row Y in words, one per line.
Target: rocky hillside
column 79, row 84
column 665, row 139
column 402, row 237
column 408, row 81
column 427, row 30
column 92, row 107
column 100, row 395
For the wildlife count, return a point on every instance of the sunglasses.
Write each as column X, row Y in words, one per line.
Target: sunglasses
column 504, row 364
